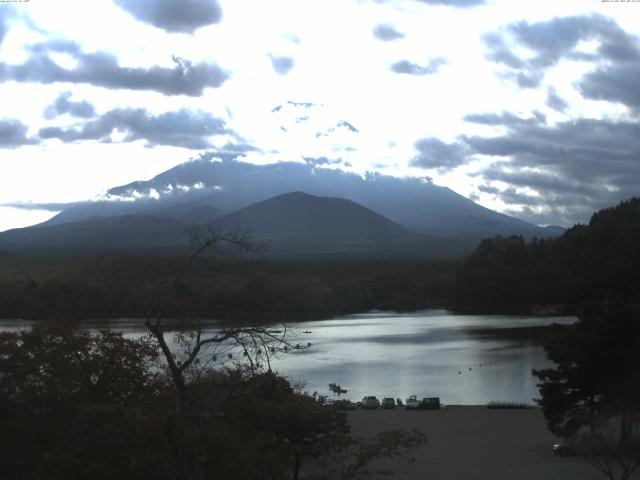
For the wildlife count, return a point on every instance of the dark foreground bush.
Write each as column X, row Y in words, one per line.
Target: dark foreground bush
column 75, row 405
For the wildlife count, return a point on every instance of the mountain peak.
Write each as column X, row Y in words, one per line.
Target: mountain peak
column 301, row 215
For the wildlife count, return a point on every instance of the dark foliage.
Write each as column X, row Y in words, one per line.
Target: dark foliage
column 78, row 405
column 87, row 287
column 596, row 374
column 586, row 263
column 75, row 405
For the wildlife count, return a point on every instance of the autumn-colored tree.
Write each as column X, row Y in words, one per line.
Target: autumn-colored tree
column 79, row 405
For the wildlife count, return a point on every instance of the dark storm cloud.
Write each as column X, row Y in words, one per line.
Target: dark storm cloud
column 557, row 39
column 102, row 69
column 455, row 3
column 434, row 153
column 555, row 101
column 386, row 33
column 183, row 128
column 63, row 105
column 13, row 134
column 570, row 168
column 410, row 68
column 281, row 65
column 184, row 16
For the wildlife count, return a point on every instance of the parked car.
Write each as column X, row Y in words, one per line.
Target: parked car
column 370, row 402
column 583, row 444
column 344, row 405
column 427, row 403
column 507, row 405
column 388, row 402
column 412, row 403
column 430, row 403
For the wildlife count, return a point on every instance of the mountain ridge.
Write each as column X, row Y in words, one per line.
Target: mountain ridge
column 227, row 184
column 295, row 223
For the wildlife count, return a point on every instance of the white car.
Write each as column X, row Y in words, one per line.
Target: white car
column 370, row 402
column 412, row 403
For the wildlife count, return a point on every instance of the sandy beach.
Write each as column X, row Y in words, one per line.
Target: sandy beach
column 473, row 443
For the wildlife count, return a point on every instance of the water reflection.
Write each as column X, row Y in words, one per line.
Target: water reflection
column 463, row 359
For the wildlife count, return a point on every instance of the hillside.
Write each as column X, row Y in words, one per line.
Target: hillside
column 125, row 232
column 586, row 263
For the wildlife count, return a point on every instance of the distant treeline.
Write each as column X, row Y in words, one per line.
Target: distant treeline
column 587, row 263
column 83, row 287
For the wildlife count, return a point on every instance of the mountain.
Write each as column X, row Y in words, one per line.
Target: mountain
column 299, row 223
column 298, row 215
column 227, row 184
column 295, row 224
column 124, row 232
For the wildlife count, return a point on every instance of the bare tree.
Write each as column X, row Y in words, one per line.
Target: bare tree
column 617, row 460
column 305, row 427
column 191, row 341
column 615, row 449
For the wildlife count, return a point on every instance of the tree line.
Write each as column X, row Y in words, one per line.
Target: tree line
column 586, row 263
column 89, row 287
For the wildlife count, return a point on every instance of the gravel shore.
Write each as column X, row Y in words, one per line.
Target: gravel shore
column 474, row 443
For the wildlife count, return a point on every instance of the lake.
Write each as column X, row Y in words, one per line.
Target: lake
column 463, row 359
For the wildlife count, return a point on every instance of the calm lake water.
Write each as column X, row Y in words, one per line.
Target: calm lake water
column 463, row 359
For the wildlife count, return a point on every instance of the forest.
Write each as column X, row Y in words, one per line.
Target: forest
column 81, row 287
column 502, row 275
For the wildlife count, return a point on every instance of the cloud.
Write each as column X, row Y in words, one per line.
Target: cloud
column 434, row 153
column 281, row 65
column 504, row 119
column 409, row 68
column 556, row 102
column 102, row 69
column 51, row 207
column 13, row 134
column 455, row 3
column 63, row 105
column 7, row 13
column 183, row 128
column 386, row 33
column 570, row 168
column 554, row 40
column 184, row 16
column 614, row 83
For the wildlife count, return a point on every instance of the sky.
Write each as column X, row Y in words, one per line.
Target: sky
column 527, row 107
